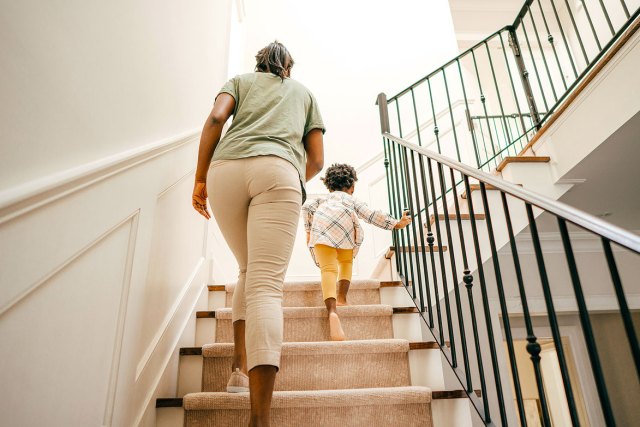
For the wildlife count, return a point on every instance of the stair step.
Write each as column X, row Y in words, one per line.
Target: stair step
column 321, row 365
column 454, row 217
column 307, row 324
column 476, row 187
column 406, row 406
column 522, row 159
column 309, row 293
column 413, row 345
column 405, row 249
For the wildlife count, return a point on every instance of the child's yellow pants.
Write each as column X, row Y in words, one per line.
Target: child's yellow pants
column 335, row 264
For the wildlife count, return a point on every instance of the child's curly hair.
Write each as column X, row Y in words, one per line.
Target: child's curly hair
column 339, row 177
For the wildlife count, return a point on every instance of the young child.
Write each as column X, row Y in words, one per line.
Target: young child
column 334, row 236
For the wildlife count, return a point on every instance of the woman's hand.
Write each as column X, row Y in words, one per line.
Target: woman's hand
column 404, row 221
column 199, row 199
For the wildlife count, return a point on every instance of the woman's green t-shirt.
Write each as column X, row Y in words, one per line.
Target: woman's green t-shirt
column 271, row 117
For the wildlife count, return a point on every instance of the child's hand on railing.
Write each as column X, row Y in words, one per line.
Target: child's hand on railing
column 404, row 221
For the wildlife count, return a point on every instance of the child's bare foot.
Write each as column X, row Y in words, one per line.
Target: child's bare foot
column 340, row 302
column 335, row 328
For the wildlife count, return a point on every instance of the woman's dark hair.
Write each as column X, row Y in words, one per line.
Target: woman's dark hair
column 339, row 177
column 275, row 59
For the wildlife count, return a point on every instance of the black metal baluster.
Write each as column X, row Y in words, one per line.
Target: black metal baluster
column 622, row 302
column 401, row 253
column 513, row 86
column 535, row 67
column 503, row 306
column 443, row 276
column 483, row 100
column 401, row 203
column 452, row 259
column 466, row 105
column 390, row 191
column 606, row 15
column 575, row 27
column 533, row 347
column 524, row 75
column 551, row 313
column 415, row 249
column 430, row 240
column 484, row 143
column 436, row 131
column 564, row 39
column 551, row 42
column 453, row 124
column 544, row 58
column 468, row 280
column 626, row 10
column 587, row 330
column 465, row 265
column 421, row 232
column 495, row 82
column 409, row 248
column 487, row 311
column 415, row 114
column 593, row 29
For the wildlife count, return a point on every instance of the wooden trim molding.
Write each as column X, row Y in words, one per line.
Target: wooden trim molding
column 34, row 194
column 523, row 159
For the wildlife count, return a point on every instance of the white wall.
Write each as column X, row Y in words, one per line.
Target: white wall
column 103, row 258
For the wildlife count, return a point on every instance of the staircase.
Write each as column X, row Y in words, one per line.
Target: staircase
column 384, row 371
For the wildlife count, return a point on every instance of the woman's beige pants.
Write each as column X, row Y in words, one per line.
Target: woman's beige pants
column 256, row 203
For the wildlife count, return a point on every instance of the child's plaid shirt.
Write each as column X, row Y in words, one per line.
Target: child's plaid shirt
column 332, row 220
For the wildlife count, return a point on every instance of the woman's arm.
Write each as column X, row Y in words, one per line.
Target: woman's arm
column 314, row 146
column 222, row 110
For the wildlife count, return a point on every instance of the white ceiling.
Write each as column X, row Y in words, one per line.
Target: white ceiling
column 473, row 20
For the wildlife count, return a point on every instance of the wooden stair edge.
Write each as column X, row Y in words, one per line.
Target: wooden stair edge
column 476, row 187
column 452, row 394
column 392, row 250
column 178, row 402
column 613, row 50
column 453, row 217
column 216, row 288
column 390, row 283
column 522, row 159
column 413, row 345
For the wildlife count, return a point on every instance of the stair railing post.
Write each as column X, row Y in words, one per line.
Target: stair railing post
column 524, row 76
column 385, row 128
column 384, row 113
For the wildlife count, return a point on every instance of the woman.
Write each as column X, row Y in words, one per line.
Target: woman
column 255, row 176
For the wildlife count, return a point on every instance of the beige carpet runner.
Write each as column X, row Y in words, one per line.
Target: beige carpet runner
column 364, row 381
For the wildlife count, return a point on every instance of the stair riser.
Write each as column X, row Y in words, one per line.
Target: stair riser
column 314, row 298
column 317, row 329
column 407, row 415
column 322, row 372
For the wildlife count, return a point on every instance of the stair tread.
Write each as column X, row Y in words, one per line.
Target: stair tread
column 522, row 159
column 209, row 398
column 453, row 216
column 312, row 285
column 306, row 312
column 320, row 347
column 476, row 187
column 413, row 345
column 313, row 398
column 392, row 249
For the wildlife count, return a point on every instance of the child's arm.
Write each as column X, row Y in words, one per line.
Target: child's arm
column 379, row 218
column 308, row 210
